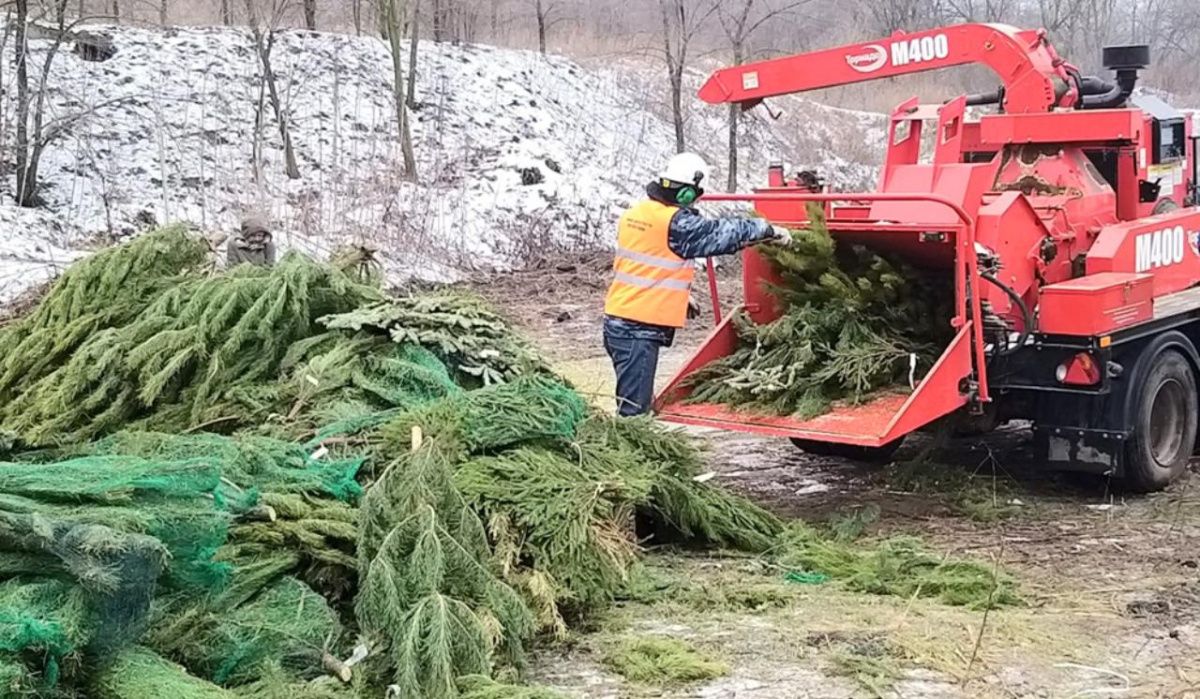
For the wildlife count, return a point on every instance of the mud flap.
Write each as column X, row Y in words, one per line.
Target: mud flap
column 1101, row 452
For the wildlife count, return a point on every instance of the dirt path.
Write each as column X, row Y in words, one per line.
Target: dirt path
column 1111, row 585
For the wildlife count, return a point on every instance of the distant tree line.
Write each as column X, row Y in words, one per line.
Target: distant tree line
column 678, row 33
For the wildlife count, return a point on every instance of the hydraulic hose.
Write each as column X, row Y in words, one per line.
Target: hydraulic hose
column 1113, row 97
column 1026, row 316
column 982, row 98
column 1092, row 85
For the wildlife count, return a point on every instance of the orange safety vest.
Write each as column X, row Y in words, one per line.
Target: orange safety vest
column 651, row 284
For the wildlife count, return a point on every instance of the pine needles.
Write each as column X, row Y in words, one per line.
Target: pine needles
column 284, row 623
column 427, row 589
column 227, row 479
column 561, row 494
column 662, row 661
column 461, row 328
column 851, row 320
column 138, row 673
column 176, row 365
column 898, row 566
column 103, row 291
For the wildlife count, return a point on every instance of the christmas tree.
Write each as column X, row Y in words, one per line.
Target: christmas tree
column 852, row 318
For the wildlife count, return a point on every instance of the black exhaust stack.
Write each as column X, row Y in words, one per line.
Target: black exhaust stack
column 1126, row 61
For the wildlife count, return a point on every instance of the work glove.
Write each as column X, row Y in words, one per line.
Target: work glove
column 780, row 236
column 693, row 311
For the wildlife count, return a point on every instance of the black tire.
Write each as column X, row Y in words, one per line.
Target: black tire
column 871, row 455
column 1164, row 424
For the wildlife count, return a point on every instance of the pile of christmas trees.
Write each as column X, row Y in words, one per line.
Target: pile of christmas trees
column 285, row 483
column 852, row 321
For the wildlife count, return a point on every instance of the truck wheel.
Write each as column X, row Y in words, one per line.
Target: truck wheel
column 1164, row 427
column 871, row 455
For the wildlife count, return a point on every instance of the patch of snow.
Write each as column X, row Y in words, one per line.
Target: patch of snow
column 35, row 246
column 518, row 154
column 813, row 487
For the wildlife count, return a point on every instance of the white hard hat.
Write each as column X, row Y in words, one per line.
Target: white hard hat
column 685, row 168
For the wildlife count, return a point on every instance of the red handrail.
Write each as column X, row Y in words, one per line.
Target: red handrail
column 966, row 254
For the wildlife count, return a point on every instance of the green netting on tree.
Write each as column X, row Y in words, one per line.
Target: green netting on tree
column 460, row 327
column 107, row 479
column 107, row 289
column 86, row 545
column 84, row 588
column 284, row 623
column 42, row 623
column 247, row 461
column 335, row 376
column 392, row 379
column 140, row 673
column 173, row 502
column 118, row 571
column 851, row 320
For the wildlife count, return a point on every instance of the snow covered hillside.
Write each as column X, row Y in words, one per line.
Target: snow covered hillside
column 518, row 154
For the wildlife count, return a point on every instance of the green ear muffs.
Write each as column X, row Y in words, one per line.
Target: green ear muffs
column 688, row 195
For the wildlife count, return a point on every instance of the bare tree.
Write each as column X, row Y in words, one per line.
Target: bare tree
column 356, row 15
column 682, row 20
column 414, row 38
column 226, row 13
column 26, row 187
column 310, row 15
column 892, row 15
column 34, row 133
column 116, row 11
column 162, row 13
column 545, row 13
column 264, row 43
column 392, row 26
column 980, row 10
column 438, row 16
column 740, row 23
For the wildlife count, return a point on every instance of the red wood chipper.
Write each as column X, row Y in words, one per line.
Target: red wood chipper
column 1069, row 222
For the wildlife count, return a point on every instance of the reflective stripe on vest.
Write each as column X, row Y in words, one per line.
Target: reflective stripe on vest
column 664, row 262
column 650, row 283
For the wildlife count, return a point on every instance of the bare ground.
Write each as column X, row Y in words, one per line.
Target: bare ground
column 1111, row 583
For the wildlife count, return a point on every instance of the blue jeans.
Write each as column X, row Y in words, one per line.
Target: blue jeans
column 633, row 348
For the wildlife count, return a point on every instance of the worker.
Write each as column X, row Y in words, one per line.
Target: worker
column 650, row 295
column 252, row 244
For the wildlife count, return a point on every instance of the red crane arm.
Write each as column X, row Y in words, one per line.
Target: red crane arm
column 1035, row 78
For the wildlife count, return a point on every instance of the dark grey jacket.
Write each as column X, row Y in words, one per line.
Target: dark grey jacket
column 239, row 251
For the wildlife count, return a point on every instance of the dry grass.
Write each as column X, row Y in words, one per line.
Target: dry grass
column 758, row 617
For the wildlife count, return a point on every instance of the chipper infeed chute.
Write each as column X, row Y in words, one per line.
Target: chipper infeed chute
column 941, row 242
